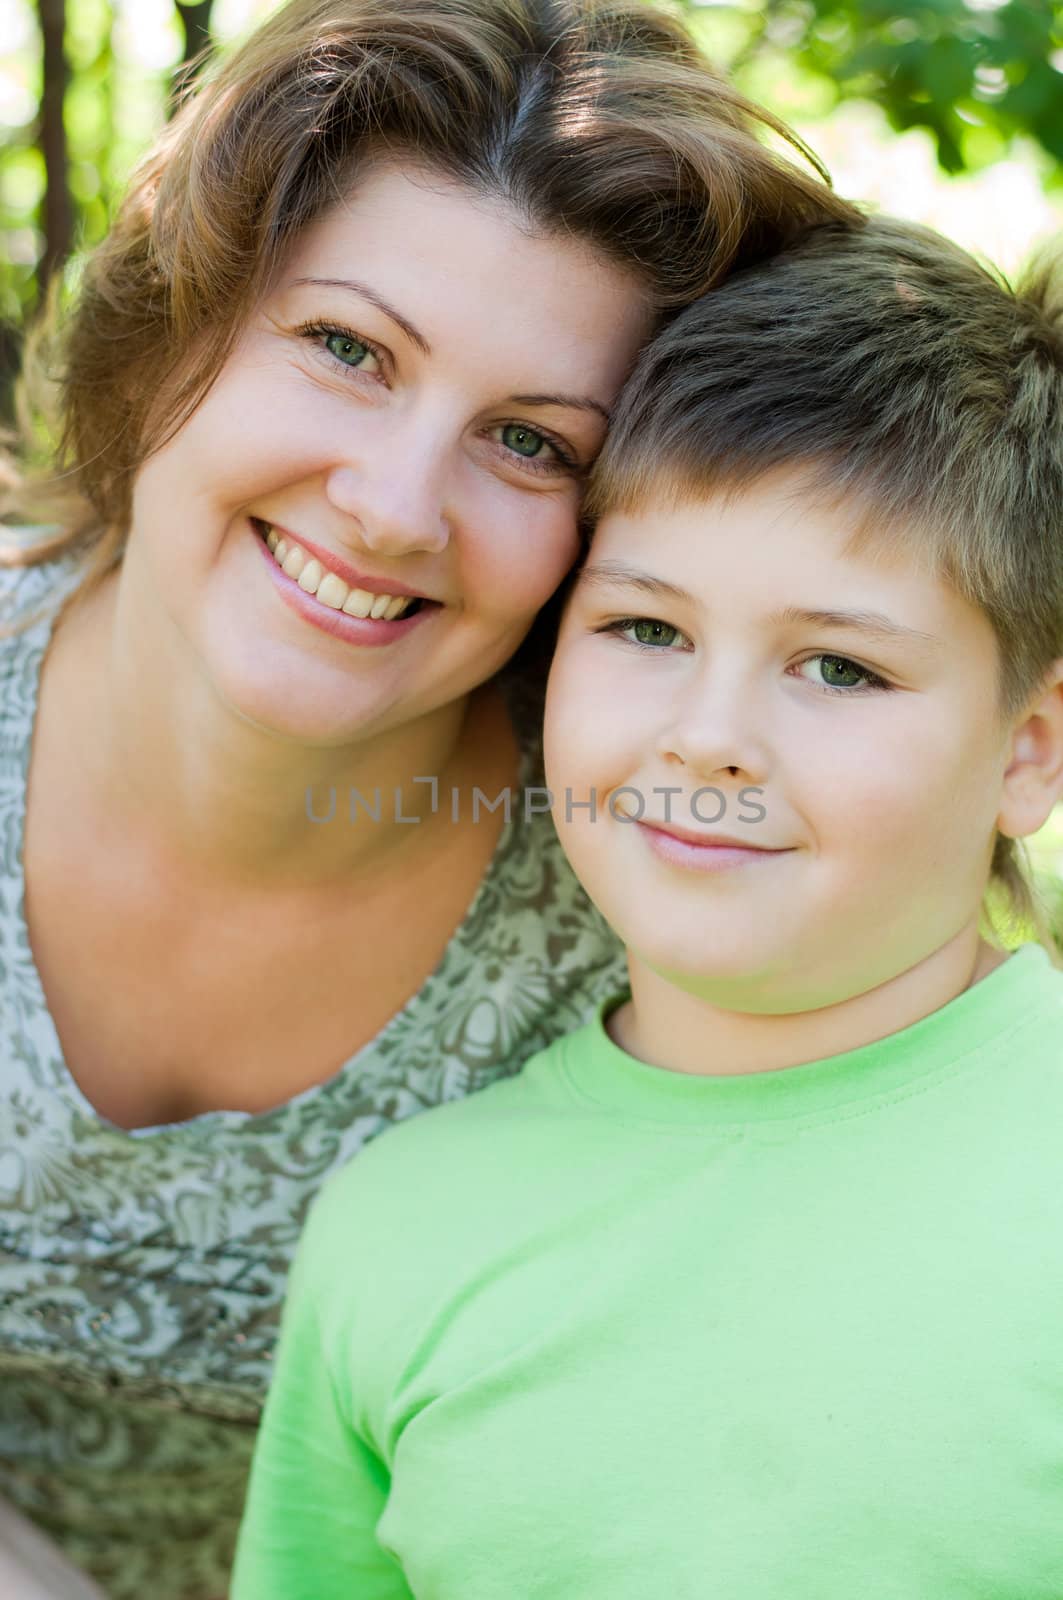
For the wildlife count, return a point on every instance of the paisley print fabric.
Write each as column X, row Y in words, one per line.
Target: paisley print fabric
column 142, row 1273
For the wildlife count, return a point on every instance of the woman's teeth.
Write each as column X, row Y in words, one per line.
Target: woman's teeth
column 331, row 590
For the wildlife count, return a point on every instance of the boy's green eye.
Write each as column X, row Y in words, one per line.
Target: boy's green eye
column 646, row 631
column 840, row 673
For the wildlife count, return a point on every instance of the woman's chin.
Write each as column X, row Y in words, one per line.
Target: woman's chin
column 287, row 702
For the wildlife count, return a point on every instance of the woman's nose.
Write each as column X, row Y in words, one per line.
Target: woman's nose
column 397, row 510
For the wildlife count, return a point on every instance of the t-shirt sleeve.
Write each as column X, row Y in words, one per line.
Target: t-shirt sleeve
column 316, row 1491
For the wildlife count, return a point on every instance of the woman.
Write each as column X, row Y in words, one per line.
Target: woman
column 328, row 396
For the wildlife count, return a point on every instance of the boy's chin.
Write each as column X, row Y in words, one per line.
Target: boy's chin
column 764, row 983
column 728, row 983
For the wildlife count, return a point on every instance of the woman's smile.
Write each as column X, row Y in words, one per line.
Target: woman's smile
column 324, row 590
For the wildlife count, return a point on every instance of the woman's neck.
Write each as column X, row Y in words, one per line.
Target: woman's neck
column 154, row 754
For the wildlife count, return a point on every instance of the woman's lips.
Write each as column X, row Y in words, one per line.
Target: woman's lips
column 353, row 630
column 335, row 563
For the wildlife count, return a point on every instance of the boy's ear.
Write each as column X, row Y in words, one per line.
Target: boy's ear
column 1033, row 778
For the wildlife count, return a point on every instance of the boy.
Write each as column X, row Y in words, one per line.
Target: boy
column 753, row 1288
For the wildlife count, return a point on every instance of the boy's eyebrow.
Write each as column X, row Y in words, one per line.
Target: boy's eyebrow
column 873, row 623
column 605, row 573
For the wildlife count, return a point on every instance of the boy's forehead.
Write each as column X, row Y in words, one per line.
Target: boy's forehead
column 774, row 500
column 692, row 542
column 729, row 530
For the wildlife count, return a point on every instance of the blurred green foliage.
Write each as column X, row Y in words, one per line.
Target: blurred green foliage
column 975, row 73
column 1046, row 854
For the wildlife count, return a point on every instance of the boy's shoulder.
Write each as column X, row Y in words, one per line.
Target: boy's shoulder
column 474, row 1140
column 440, row 1198
column 476, row 1165
column 1035, row 993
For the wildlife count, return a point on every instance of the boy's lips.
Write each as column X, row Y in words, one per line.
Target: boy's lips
column 709, row 841
column 702, row 852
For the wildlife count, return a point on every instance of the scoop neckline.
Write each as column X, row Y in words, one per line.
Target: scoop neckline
column 36, row 640
column 945, row 1041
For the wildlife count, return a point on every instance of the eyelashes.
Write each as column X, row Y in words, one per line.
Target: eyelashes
column 625, row 625
column 872, row 681
column 324, row 331
column 563, row 457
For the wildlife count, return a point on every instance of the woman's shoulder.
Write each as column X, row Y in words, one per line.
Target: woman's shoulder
column 31, row 596
column 32, row 591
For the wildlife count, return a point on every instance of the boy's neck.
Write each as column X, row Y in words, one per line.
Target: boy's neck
column 668, row 1027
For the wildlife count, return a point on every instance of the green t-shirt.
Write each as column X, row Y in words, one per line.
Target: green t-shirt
column 607, row 1332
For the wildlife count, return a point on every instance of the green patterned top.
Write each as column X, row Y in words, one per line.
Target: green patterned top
column 142, row 1272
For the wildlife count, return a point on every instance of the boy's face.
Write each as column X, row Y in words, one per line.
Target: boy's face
column 877, row 805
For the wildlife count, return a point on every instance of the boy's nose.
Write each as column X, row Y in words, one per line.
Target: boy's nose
column 714, row 731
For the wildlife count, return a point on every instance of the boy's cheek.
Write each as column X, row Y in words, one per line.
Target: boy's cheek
column 568, row 726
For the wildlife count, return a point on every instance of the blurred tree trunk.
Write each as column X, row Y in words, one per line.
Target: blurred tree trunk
column 195, row 20
column 58, row 209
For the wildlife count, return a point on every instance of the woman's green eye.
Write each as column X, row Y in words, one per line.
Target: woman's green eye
column 525, row 441
column 350, row 351
column 646, row 631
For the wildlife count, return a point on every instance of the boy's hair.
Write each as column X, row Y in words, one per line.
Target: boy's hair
column 900, row 378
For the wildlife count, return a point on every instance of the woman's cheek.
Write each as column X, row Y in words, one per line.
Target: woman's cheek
column 531, row 550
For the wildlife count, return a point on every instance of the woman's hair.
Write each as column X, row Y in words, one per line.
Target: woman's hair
column 593, row 118
column 896, row 377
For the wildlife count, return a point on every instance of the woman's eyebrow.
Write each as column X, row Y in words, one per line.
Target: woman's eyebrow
column 374, row 299
column 577, row 402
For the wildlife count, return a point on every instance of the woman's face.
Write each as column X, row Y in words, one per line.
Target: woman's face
column 413, row 407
